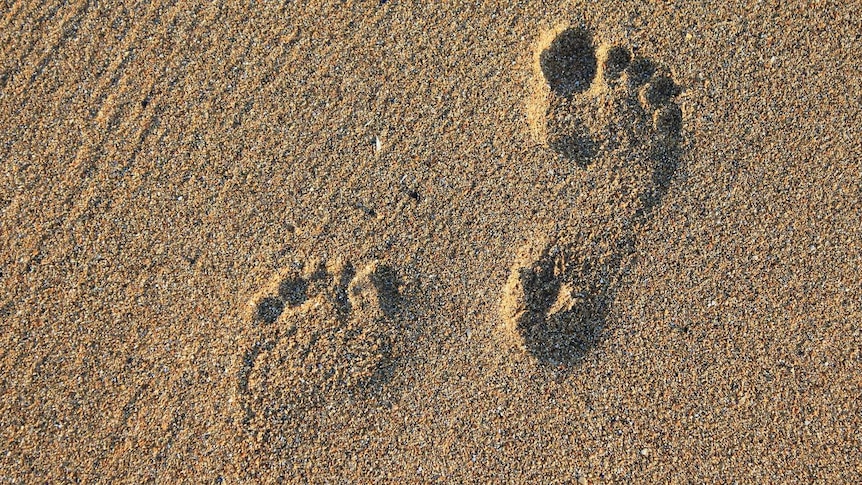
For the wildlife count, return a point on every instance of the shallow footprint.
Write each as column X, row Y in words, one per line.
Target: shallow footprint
column 327, row 336
column 614, row 115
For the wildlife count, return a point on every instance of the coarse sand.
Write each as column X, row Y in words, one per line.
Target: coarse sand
column 385, row 241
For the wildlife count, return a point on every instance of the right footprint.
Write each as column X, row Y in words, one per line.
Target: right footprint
column 614, row 115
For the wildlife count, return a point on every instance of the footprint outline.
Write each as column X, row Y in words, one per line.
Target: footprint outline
column 356, row 333
column 616, row 110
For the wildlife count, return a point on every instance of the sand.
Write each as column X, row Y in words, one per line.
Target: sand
column 382, row 241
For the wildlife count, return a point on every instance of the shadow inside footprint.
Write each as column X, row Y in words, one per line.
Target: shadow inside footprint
column 387, row 282
column 665, row 163
column 577, row 147
column 293, row 291
column 557, row 306
column 569, row 63
column 269, row 309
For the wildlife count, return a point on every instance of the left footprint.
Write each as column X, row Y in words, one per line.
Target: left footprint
column 326, row 333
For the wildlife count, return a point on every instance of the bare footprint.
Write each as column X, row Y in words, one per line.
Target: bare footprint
column 326, row 336
column 614, row 115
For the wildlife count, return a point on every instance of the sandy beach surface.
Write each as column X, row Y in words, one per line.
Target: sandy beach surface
column 384, row 241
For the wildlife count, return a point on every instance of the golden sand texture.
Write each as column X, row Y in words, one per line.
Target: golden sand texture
column 409, row 242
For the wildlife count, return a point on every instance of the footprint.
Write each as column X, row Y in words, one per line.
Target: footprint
column 326, row 336
column 614, row 115
column 588, row 100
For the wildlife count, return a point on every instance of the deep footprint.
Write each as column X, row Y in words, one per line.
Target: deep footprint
column 326, row 336
column 615, row 115
column 588, row 99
